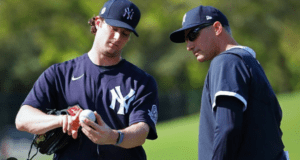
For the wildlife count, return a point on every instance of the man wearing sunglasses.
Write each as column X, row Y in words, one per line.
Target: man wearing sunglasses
column 240, row 115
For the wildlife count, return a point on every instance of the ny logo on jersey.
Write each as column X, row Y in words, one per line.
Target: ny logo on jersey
column 117, row 96
column 129, row 13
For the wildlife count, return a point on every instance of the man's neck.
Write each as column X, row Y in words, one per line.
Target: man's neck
column 102, row 60
column 231, row 43
column 229, row 46
column 226, row 42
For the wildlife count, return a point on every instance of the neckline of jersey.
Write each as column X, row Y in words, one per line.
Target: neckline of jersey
column 106, row 68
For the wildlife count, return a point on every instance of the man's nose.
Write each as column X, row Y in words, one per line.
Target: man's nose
column 117, row 35
column 189, row 45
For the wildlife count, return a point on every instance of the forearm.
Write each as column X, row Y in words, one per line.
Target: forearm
column 99, row 133
column 34, row 121
column 134, row 135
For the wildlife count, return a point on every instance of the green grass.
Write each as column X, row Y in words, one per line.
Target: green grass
column 290, row 124
column 178, row 139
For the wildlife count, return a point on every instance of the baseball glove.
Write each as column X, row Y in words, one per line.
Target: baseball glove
column 54, row 140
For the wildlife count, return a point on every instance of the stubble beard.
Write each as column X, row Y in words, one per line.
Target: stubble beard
column 113, row 54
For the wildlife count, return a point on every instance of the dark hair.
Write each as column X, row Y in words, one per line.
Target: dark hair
column 93, row 25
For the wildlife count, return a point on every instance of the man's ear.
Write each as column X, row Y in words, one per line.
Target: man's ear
column 98, row 22
column 218, row 28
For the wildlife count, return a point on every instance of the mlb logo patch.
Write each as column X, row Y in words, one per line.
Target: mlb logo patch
column 208, row 17
column 153, row 114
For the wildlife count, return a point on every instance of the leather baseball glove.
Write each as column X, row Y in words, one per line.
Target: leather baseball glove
column 54, row 140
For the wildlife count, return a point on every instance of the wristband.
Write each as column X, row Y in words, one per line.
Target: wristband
column 120, row 138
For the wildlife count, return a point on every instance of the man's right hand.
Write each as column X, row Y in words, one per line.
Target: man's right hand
column 70, row 124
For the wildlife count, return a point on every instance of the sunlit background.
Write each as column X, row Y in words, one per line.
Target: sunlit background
column 35, row 34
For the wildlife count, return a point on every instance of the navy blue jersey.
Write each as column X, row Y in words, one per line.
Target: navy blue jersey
column 122, row 94
column 236, row 73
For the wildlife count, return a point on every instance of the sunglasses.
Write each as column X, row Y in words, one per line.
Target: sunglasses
column 194, row 33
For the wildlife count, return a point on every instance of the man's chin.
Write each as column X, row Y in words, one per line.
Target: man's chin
column 200, row 58
column 112, row 53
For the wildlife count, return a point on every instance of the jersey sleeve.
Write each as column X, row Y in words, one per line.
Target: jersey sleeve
column 229, row 120
column 43, row 91
column 229, row 76
column 146, row 107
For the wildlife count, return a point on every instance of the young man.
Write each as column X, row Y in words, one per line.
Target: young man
column 240, row 115
column 123, row 96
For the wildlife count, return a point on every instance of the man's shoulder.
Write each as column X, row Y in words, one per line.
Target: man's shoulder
column 135, row 70
column 61, row 69
column 138, row 74
column 226, row 58
column 66, row 65
column 228, row 62
column 236, row 53
column 71, row 62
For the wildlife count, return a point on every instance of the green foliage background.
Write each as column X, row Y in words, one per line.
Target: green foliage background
column 34, row 34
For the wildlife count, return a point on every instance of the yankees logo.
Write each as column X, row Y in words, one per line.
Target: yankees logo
column 129, row 13
column 117, row 96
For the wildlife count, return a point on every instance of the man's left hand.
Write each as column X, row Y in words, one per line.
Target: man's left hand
column 98, row 133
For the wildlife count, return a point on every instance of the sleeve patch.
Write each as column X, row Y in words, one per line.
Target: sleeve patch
column 153, row 114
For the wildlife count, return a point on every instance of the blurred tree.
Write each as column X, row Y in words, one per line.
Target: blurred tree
column 35, row 34
column 257, row 24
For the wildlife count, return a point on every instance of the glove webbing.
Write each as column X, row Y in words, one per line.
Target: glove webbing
column 30, row 151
